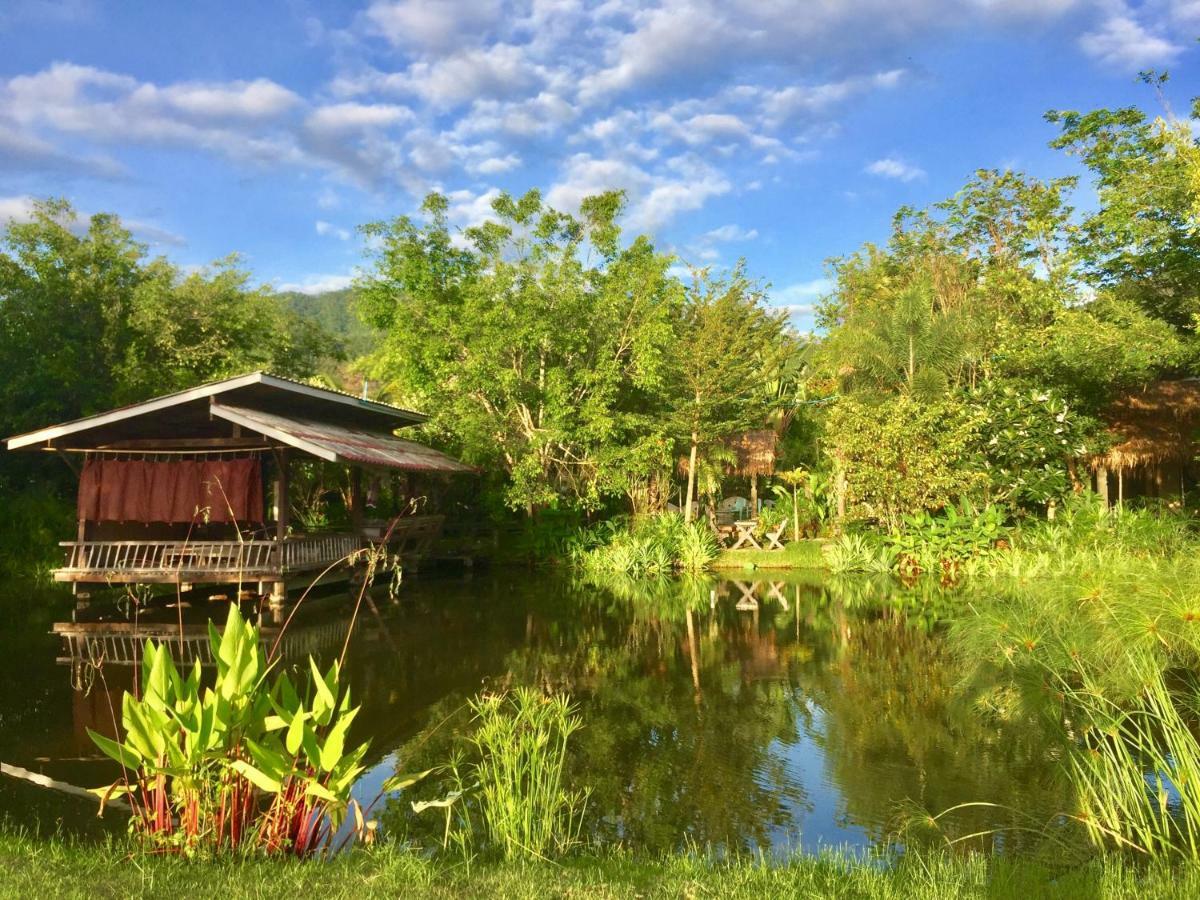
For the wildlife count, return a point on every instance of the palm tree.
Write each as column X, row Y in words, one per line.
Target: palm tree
column 904, row 344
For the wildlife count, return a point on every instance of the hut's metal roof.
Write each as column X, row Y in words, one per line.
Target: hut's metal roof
column 340, row 443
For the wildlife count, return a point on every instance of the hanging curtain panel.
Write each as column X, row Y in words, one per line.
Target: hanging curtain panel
column 183, row 490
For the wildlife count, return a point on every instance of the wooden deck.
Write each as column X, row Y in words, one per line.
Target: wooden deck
column 234, row 562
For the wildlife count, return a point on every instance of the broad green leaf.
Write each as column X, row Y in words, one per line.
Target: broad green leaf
column 257, row 777
column 122, row 754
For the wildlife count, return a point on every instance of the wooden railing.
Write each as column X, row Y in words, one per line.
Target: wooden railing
column 167, row 560
column 310, row 551
column 232, row 561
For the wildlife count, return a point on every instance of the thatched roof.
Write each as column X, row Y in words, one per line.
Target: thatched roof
column 755, row 452
column 1156, row 425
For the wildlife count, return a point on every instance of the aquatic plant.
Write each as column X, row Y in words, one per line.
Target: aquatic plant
column 507, row 784
column 238, row 766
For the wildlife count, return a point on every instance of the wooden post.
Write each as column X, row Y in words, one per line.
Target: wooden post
column 357, row 509
column 1121, row 487
column 1102, row 485
column 282, row 516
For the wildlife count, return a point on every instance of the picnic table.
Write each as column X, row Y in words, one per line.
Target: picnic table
column 745, row 534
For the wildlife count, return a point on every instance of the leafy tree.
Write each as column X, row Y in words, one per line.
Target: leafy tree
column 537, row 342
column 210, row 324
column 728, row 340
column 66, row 289
column 1142, row 239
column 906, row 345
column 902, row 455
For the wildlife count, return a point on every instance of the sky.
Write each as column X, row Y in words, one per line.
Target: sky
column 786, row 133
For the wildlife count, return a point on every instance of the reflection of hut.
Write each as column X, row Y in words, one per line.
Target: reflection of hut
column 755, row 452
column 1154, row 450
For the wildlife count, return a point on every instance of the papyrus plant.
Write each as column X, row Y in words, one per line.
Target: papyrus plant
column 238, row 765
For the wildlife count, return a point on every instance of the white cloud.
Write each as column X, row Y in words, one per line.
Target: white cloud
column 1124, row 43
column 682, row 184
column 729, row 233
column 896, row 169
column 16, row 209
column 256, row 99
column 495, row 165
column 327, row 229
column 318, row 284
column 342, row 117
column 432, row 24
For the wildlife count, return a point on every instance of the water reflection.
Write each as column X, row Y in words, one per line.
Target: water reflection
column 744, row 712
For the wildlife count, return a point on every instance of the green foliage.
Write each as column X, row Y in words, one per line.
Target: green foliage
column 31, row 525
column 538, row 348
column 942, row 545
column 525, row 808
column 107, row 325
column 648, row 545
column 1029, row 435
column 903, row 456
column 239, row 766
column 1142, row 235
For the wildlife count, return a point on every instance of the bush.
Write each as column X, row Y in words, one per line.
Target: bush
column 652, row 545
column 903, row 456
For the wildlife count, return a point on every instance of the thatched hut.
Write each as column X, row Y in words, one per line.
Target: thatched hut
column 755, row 452
column 1155, row 444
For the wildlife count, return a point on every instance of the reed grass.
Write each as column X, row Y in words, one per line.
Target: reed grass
column 521, row 738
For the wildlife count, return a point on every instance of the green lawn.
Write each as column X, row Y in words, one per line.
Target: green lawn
column 54, row 868
column 796, row 555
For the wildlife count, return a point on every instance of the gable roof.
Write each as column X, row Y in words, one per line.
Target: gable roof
column 191, row 407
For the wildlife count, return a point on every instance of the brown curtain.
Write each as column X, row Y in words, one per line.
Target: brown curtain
column 183, row 490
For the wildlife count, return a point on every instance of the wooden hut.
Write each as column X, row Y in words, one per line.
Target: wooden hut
column 1155, row 445
column 755, row 452
column 193, row 487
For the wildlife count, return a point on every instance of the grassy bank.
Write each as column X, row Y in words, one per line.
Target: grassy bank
column 34, row 867
column 796, row 555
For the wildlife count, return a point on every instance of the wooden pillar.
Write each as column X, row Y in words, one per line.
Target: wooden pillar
column 282, row 513
column 357, row 508
column 1102, row 484
column 754, row 495
column 1120, row 487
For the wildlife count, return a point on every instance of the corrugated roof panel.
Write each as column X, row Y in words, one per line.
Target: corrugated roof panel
column 338, row 443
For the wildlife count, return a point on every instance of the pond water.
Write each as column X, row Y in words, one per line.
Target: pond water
column 757, row 711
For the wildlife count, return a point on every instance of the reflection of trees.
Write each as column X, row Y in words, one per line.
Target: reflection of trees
column 691, row 705
column 897, row 730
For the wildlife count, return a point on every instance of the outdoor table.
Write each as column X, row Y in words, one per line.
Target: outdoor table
column 745, row 534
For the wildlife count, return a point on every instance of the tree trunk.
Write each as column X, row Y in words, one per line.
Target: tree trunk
column 1102, row 485
column 754, row 496
column 795, row 513
column 691, row 482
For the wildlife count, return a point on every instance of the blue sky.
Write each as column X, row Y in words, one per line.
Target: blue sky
column 784, row 132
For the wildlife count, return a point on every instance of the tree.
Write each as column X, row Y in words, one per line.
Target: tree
column 211, row 324
column 536, row 341
column 727, row 341
column 1142, row 239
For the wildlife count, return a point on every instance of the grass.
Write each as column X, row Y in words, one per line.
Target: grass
column 59, row 868
column 808, row 554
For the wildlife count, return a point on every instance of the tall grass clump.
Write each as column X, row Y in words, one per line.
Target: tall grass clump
column 652, row 545
column 508, row 791
column 1111, row 653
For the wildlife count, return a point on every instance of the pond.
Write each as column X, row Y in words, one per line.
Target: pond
column 757, row 711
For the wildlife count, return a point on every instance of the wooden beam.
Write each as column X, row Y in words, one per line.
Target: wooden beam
column 218, row 443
